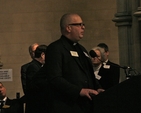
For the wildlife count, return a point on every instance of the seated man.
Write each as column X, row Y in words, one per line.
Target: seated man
column 9, row 105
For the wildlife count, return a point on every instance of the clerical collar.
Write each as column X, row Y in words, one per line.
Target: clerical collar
column 4, row 99
column 74, row 43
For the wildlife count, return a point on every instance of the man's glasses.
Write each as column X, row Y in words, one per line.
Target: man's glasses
column 78, row 24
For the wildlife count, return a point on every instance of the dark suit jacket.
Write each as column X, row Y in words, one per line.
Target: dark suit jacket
column 33, row 101
column 67, row 76
column 32, row 69
column 23, row 76
column 23, row 79
column 109, row 76
column 12, row 106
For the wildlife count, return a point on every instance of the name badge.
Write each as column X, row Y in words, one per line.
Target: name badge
column 98, row 77
column 106, row 66
column 74, row 53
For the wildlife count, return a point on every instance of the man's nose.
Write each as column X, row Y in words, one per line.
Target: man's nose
column 83, row 27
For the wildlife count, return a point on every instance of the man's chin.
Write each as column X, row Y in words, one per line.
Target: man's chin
column 81, row 37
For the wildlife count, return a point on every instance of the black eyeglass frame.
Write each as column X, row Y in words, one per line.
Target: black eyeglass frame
column 77, row 24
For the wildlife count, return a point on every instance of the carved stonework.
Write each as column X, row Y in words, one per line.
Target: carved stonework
column 138, row 14
column 122, row 19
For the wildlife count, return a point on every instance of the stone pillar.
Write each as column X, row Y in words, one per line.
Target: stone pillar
column 123, row 20
column 136, row 33
column 138, row 10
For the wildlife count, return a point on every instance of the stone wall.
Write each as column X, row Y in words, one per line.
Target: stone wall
column 23, row 22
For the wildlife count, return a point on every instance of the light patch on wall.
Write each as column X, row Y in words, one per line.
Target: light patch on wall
column 5, row 74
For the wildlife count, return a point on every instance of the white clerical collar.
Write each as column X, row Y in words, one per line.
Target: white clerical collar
column 5, row 99
column 74, row 44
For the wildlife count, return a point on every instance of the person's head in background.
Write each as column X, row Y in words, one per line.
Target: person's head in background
column 40, row 53
column 106, row 49
column 72, row 26
column 98, row 60
column 32, row 49
column 2, row 91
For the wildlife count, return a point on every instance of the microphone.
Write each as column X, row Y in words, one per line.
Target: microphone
column 125, row 67
column 93, row 54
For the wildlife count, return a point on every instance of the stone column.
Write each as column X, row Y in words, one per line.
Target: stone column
column 123, row 20
column 137, row 12
column 136, row 33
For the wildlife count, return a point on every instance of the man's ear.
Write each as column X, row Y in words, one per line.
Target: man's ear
column 68, row 28
column 42, row 54
column 107, row 53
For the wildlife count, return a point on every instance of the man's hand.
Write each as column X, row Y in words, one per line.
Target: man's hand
column 88, row 93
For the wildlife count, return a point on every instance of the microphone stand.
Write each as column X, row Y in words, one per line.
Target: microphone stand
column 129, row 72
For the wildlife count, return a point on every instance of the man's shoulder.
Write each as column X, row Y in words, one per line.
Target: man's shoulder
column 112, row 63
column 14, row 105
column 11, row 101
column 25, row 65
column 33, row 64
column 57, row 44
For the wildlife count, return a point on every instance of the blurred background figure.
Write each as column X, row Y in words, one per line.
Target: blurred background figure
column 9, row 105
column 32, row 49
column 36, row 63
column 97, row 61
column 34, row 103
column 108, row 72
column 24, row 67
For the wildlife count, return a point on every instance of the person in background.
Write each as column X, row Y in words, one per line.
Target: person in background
column 23, row 70
column 9, row 105
column 69, row 71
column 32, row 97
column 32, row 49
column 97, row 61
column 109, row 72
column 36, row 63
